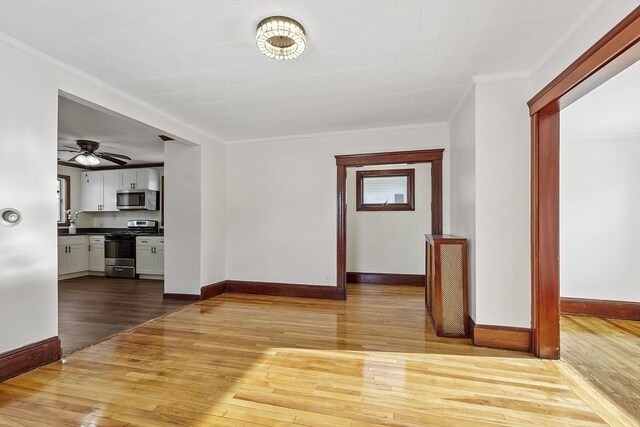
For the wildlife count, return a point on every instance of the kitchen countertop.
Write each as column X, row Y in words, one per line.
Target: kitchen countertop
column 101, row 232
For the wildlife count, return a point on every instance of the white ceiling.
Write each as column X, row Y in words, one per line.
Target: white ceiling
column 115, row 134
column 368, row 63
column 612, row 109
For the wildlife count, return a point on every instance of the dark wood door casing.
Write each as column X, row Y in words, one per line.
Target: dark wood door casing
column 544, row 109
column 433, row 156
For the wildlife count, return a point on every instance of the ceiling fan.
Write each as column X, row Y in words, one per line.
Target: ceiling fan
column 87, row 154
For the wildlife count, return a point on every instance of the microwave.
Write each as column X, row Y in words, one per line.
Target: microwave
column 137, row 200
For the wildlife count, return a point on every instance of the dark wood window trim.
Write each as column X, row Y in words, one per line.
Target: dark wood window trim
column 382, row 173
column 616, row 50
column 67, row 199
column 433, row 156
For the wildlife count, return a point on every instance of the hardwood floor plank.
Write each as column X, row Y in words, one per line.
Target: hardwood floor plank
column 92, row 308
column 606, row 352
column 267, row 361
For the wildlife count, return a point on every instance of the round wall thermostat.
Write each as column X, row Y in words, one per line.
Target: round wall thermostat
column 10, row 217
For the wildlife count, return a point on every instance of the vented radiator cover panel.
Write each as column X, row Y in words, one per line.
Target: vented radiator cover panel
column 446, row 296
column 452, row 289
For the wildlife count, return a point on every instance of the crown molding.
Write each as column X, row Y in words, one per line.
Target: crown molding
column 341, row 132
column 38, row 54
column 586, row 15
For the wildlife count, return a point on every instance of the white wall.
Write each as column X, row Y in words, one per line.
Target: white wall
column 281, row 200
column 503, row 165
column 213, row 203
column 503, row 266
column 389, row 242
column 28, row 257
column 182, row 186
column 463, row 185
column 600, row 218
column 29, row 85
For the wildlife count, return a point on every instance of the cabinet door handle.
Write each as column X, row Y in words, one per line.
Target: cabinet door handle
column 69, row 249
column 65, row 249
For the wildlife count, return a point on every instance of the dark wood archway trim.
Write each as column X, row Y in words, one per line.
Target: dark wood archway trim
column 544, row 109
column 613, row 44
column 352, row 160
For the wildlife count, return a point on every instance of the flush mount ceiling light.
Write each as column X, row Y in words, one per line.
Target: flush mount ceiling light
column 280, row 37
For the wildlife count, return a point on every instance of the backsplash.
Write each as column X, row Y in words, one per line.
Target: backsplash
column 119, row 219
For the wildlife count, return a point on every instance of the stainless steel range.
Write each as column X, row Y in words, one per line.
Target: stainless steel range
column 120, row 248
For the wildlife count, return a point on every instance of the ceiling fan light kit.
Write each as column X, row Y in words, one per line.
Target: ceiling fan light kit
column 89, row 160
column 87, row 154
column 280, row 37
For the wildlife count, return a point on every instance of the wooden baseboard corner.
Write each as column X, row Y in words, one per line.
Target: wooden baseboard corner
column 386, row 279
column 28, row 357
column 501, row 337
column 600, row 308
column 213, row 290
column 192, row 297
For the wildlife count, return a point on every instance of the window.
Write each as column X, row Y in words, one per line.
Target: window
column 64, row 198
column 385, row 190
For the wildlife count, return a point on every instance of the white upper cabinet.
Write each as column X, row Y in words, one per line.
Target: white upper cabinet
column 111, row 183
column 92, row 191
column 99, row 190
column 139, row 179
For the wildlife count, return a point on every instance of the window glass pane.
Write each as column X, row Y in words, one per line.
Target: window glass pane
column 384, row 190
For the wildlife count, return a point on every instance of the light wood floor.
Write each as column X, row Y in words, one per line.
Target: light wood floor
column 240, row 360
column 607, row 353
column 92, row 308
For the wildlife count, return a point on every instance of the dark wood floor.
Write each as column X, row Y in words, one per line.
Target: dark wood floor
column 93, row 308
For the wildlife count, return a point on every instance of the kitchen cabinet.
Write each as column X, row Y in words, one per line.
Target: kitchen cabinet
column 150, row 255
column 139, row 179
column 73, row 254
column 96, row 253
column 99, row 190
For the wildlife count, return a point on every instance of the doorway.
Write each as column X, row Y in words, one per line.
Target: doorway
column 614, row 52
column 110, row 224
column 432, row 157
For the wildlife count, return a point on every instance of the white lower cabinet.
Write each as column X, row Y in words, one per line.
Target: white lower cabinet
column 73, row 254
column 96, row 253
column 150, row 255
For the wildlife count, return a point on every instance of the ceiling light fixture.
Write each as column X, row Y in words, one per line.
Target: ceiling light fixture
column 89, row 160
column 280, row 37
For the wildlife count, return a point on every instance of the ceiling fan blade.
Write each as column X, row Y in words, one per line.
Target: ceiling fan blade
column 71, row 146
column 121, row 156
column 111, row 159
column 70, row 151
column 73, row 158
